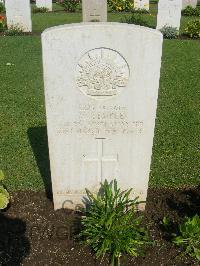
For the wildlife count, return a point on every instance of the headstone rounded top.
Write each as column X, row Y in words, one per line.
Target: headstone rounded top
column 104, row 25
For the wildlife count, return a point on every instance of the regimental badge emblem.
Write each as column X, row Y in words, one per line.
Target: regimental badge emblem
column 102, row 73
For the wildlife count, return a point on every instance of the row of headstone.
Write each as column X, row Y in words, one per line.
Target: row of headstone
column 18, row 12
column 169, row 11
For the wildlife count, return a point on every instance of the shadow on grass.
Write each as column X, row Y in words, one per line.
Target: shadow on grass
column 14, row 245
column 39, row 143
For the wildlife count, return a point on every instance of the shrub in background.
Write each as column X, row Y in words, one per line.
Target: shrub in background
column 69, row 5
column 2, row 7
column 111, row 224
column 188, row 11
column 191, row 11
column 40, row 10
column 4, row 195
column 169, row 32
column 189, row 236
column 192, row 29
column 121, row 5
column 136, row 19
column 2, row 23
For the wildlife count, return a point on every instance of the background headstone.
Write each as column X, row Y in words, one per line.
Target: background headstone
column 101, row 100
column 192, row 3
column 18, row 14
column 94, row 10
column 169, row 13
column 44, row 3
column 141, row 4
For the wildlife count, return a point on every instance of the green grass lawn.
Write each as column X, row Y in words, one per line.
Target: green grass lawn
column 23, row 146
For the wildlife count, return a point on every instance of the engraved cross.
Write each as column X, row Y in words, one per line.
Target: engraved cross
column 101, row 158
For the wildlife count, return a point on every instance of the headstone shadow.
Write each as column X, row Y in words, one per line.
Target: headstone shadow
column 14, row 245
column 39, row 143
column 187, row 204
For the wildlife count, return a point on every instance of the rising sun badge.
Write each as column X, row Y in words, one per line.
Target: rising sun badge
column 102, row 73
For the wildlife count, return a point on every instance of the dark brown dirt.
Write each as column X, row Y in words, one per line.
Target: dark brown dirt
column 32, row 233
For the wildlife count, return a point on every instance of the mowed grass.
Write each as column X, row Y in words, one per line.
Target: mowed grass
column 23, row 146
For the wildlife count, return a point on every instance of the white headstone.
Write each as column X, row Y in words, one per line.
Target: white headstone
column 18, row 14
column 101, row 99
column 44, row 3
column 186, row 3
column 141, row 4
column 169, row 13
column 94, row 10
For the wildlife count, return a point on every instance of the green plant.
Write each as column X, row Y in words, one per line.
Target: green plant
column 70, row 5
column 14, row 31
column 188, row 11
column 2, row 7
column 136, row 19
column 197, row 11
column 40, row 10
column 121, row 5
column 112, row 225
column 169, row 32
column 191, row 11
column 2, row 23
column 4, row 195
column 193, row 29
column 166, row 222
column 189, row 236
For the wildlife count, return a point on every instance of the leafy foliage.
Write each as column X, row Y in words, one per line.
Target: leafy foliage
column 136, row 19
column 189, row 236
column 70, row 5
column 2, row 7
column 169, row 32
column 112, row 225
column 191, row 11
column 2, row 23
column 121, row 5
column 193, row 29
column 14, row 31
column 4, row 195
column 40, row 10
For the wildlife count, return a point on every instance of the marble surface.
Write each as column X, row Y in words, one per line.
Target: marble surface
column 101, row 88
